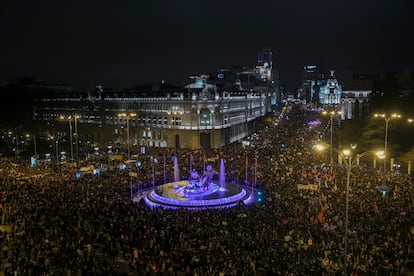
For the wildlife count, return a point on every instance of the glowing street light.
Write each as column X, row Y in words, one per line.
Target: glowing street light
column 69, row 118
column 346, row 156
column 127, row 116
column 34, row 144
column 57, row 148
column 380, row 155
column 386, row 119
column 331, row 113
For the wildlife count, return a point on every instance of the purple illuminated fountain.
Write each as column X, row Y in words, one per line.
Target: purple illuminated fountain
column 199, row 192
column 176, row 170
column 222, row 175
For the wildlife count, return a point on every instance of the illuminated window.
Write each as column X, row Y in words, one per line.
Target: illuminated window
column 205, row 117
column 176, row 121
column 175, row 109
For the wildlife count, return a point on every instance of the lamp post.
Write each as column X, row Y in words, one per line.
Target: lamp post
column 57, row 152
column 127, row 116
column 409, row 120
column 387, row 120
column 76, row 117
column 71, row 137
column 17, row 143
column 331, row 114
column 349, row 164
column 69, row 118
column 34, row 144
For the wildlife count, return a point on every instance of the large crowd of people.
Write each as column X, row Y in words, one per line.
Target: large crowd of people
column 54, row 224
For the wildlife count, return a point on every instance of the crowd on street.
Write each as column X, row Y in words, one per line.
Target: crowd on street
column 54, row 224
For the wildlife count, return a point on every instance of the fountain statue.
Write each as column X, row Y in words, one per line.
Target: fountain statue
column 199, row 191
column 199, row 183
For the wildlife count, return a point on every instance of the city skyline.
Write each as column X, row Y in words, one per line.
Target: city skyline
column 129, row 43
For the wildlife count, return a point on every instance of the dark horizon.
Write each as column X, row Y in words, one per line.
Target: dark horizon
column 124, row 44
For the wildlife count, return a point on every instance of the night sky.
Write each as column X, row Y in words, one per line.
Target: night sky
column 123, row 43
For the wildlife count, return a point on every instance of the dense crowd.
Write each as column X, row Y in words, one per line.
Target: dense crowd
column 55, row 224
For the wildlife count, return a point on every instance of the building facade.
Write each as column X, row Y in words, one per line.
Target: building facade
column 197, row 116
column 330, row 93
column 354, row 103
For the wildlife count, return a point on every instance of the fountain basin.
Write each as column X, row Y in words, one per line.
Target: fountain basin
column 177, row 195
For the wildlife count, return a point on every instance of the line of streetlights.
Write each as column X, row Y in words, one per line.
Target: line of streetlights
column 127, row 116
column 386, row 118
column 71, row 135
column 331, row 113
column 346, row 157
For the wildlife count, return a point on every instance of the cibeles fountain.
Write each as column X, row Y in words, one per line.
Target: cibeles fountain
column 199, row 191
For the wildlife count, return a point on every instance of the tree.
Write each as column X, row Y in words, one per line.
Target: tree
column 406, row 158
column 386, row 93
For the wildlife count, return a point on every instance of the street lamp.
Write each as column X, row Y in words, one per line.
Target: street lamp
column 76, row 117
column 409, row 120
column 346, row 156
column 380, row 155
column 69, row 118
column 17, row 143
column 386, row 119
column 57, row 148
column 127, row 116
column 34, row 144
column 331, row 113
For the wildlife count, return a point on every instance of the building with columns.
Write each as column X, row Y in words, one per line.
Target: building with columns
column 215, row 110
column 196, row 116
column 358, row 89
column 354, row 104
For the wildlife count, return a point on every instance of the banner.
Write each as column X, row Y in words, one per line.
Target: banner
column 308, row 187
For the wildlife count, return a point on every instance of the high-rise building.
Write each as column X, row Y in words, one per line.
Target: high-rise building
column 264, row 65
column 312, row 80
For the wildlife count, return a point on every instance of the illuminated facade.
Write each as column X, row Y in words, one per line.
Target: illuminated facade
column 358, row 89
column 354, row 103
column 264, row 65
column 198, row 116
column 330, row 93
column 309, row 79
